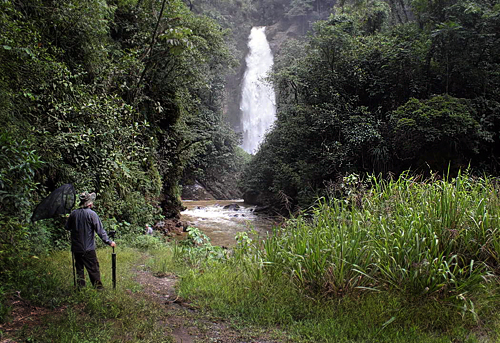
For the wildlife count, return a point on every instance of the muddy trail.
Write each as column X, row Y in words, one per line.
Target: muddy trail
column 186, row 322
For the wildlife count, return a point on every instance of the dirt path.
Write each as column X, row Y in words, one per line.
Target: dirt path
column 182, row 320
column 186, row 322
column 24, row 314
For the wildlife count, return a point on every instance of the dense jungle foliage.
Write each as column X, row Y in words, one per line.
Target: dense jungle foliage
column 381, row 87
column 119, row 97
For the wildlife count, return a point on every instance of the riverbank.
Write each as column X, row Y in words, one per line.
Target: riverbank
column 393, row 261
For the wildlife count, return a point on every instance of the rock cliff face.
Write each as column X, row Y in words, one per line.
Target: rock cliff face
column 279, row 32
column 195, row 192
column 212, row 191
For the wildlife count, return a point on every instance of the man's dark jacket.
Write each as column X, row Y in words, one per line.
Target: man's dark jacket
column 83, row 223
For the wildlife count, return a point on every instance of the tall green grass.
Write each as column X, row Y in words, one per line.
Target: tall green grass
column 430, row 238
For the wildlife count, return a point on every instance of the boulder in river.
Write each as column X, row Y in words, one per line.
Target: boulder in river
column 261, row 209
column 253, row 198
column 170, row 227
column 232, row 207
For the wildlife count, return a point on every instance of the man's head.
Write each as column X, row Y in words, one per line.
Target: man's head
column 86, row 199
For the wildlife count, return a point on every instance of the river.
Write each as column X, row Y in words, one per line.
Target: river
column 222, row 224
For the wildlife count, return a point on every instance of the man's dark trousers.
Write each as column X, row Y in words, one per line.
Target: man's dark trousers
column 88, row 260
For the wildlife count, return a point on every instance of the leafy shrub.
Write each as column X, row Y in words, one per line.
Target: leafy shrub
column 14, row 246
column 195, row 237
column 197, row 249
column 18, row 163
column 436, row 131
column 122, row 229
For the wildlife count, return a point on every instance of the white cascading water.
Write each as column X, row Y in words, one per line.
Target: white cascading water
column 221, row 222
column 258, row 103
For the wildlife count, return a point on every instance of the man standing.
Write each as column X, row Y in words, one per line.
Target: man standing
column 83, row 223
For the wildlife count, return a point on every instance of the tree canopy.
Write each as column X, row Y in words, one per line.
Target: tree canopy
column 364, row 93
column 120, row 97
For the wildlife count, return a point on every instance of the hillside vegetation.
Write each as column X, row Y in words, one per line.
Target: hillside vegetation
column 366, row 92
column 118, row 97
column 121, row 98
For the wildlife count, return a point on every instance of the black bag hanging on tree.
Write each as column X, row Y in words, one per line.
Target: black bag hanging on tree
column 59, row 202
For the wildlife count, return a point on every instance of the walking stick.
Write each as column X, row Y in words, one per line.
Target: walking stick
column 113, row 260
column 73, row 264
column 113, row 267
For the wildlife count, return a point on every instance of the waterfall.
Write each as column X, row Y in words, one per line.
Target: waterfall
column 258, row 104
